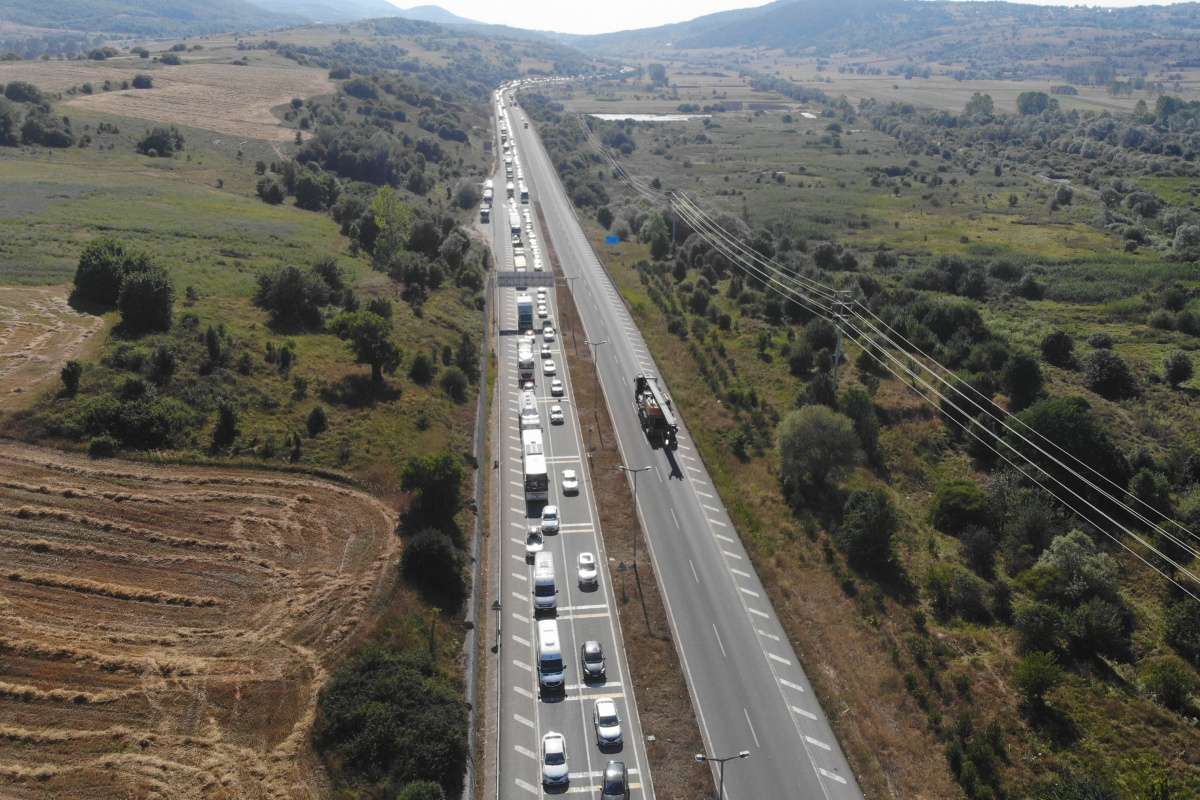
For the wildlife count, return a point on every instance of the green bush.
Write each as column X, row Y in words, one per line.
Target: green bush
column 143, row 81
column 1022, row 379
column 159, row 141
column 437, row 480
column 70, row 374
column 317, row 421
column 1039, row 627
column 1169, row 680
column 103, row 446
column 10, row 124
column 293, row 297
column 454, row 384
column 959, row 504
column 226, row 429
column 102, row 266
column 1100, row 627
column 1058, row 348
column 865, row 534
column 1107, row 374
column 856, row 404
column 148, row 423
column 387, row 717
column 1037, row 674
column 1182, row 622
column 421, row 370
column 422, row 790
column 816, row 446
column 1177, row 368
column 954, row 592
column 370, row 337
column 1069, row 423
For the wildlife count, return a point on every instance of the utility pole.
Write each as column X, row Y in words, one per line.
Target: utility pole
column 720, row 762
column 634, row 471
column 841, row 310
column 596, row 369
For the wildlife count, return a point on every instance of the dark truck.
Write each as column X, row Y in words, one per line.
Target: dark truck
column 654, row 411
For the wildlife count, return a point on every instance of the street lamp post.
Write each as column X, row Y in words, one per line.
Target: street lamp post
column 720, row 762
column 596, row 366
column 634, row 471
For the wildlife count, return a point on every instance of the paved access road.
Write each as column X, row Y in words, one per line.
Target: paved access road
column 524, row 715
column 749, row 688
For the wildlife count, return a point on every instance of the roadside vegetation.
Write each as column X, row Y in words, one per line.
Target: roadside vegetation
column 1032, row 254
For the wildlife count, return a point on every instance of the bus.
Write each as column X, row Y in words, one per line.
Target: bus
column 533, row 463
column 528, row 415
column 525, row 361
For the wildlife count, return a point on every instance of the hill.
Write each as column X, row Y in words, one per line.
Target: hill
column 145, row 17
column 331, row 10
column 932, row 30
column 429, row 13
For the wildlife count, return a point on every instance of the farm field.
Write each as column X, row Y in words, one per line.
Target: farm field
column 39, row 332
column 167, row 629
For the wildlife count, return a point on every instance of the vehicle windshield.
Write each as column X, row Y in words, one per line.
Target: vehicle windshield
column 555, row 758
column 544, row 590
column 614, row 784
column 552, row 664
column 608, row 719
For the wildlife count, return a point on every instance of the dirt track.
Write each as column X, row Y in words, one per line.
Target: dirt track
column 164, row 630
column 39, row 332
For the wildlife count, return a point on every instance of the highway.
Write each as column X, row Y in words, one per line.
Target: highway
column 524, row 714
column 749, row 689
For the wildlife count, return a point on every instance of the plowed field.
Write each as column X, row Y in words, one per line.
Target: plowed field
column 39, row 332
column 164, row 630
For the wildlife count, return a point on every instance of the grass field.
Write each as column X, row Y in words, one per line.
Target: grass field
column 214, row 600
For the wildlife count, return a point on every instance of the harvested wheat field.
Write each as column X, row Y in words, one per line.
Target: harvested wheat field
column 39, row 332
column 225, row 98
column 165, row 630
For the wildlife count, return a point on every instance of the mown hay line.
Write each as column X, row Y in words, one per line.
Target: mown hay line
column 113, row 590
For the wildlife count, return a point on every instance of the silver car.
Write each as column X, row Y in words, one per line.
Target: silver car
column 554, row 759
column 607, row 723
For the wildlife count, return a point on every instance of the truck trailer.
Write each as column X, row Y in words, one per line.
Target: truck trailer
column 654, row 411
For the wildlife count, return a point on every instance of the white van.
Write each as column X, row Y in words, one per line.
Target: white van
column 529, row 410
column 551, row 671
column 545, row 593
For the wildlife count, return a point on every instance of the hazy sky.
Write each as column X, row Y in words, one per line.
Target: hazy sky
column 592, row 16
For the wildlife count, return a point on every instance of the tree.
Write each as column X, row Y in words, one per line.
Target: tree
column 226, row 429
column 856, row 404
column 1075, row 570
column 816, row 445
column 437, row 481
column 293, row 297
column 1022, row 380
column 658, row 74
column 146, row 300
column 979, row 105
column 316, row 191
column 270, row 190
column 70, row 374
column 317, row 421
column 1032, row 103
column 1182, row 622
column 393, row 219
column 1036, row 675
column 143, row 81
column 1107, row 374
column 1169, row 680
column 102, row 266
column 1069, row 423
column 1058, row 349
column 979, row 551
column 433, row 565
column 1039, row 627
column 604, row 216
column 455, row 383
column 422, row 790
column 10, row 124
column 24, row 92
column 1177, row 368
column 467, row 195
column 370, row 337
column 959, row 504
column 1187, row 242
column 865, row 535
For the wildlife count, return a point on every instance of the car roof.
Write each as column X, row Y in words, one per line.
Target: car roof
column 592, row 646
column 554, row 742
column 605, row 705
column 615, row 769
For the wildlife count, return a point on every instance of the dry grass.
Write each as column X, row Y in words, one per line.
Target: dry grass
column 664, row 705
column 39, row 332
column 166, row 630
column 225, row 98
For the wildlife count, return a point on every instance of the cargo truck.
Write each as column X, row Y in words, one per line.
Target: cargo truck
column 654, row 411
column 524, row 193
column 524, row 313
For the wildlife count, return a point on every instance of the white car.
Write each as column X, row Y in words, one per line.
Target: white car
column 534, row 543
column 607, row 723
column 556, row 388
column 548, row 368
column 543, row 312
column 554, row 759
column 587, row 570
column 546, row 352
column 570, row 482
column 550, row 519
column 556, row 415
column 541, row 293
column 548, row 334
column 527, row 385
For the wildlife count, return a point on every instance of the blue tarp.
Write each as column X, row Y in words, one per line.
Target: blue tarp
column 610, row 239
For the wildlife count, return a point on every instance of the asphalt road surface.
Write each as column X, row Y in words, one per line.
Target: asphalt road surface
column 525, row 714
column 748, row 687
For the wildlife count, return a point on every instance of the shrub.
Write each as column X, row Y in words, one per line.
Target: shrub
column 433, row 565
column 1182, row 622
column 368, row 712
column 102, row 266
column 1169, row 680
column 1073, row 788
column 959, row 504
column 1107, row 374
column 147, row 300
column 143, row 81
column 1099, row 628
column 162, row 364
column 816, row 445
column 437, row 480
column 421, row 370
column 1058, row 349
column 422, row 790
column 865, row 534
column 1069, row 423
column 103, row 446
column 70, row 374
column 1022, row 380
column 1029, row 288
column 856, row 404
column 159, row 141
column 955, row 592
column 10, row 124
column 23, row 92
column 979, row 551
column 270, row 190
column 1177, row 368
column 1073, row 569
column 1037, row 674
column 454, row 383
column 317, row 422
